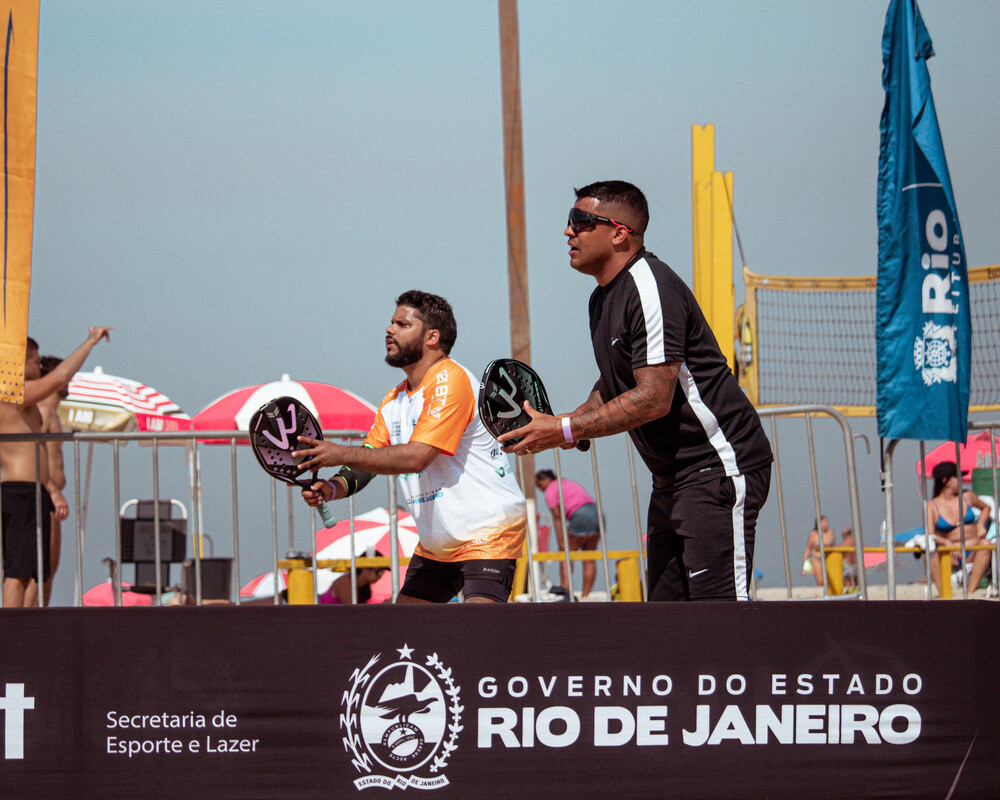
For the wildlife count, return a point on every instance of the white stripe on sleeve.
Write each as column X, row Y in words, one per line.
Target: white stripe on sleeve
column 652, row 311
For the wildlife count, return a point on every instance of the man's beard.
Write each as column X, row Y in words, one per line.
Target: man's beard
column 407, row 354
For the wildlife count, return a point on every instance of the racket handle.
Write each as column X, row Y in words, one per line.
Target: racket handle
column 583, row 445
column 327, row 515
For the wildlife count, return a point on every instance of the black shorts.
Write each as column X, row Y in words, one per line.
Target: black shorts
column 440, row 581
column 701, row 537
column 20, row 530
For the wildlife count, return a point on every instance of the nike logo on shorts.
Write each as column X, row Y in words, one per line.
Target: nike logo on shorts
column 696, row 574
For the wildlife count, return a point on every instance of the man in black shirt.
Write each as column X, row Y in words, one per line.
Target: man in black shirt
column 664, row 380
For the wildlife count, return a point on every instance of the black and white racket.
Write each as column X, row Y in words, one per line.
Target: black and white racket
column 506, row 384
column 274, row 431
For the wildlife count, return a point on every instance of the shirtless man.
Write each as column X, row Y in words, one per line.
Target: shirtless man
column 49, row 406
column 17, row 461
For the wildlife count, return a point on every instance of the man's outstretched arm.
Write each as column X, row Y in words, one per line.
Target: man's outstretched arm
column 67, row 368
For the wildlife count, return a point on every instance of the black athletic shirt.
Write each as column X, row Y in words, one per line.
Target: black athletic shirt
column 647, row 315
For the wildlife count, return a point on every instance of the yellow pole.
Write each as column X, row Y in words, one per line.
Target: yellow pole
column 712, row 239
column 702, row 165
column 723, row 315
column 300, row 581
column 629, row 584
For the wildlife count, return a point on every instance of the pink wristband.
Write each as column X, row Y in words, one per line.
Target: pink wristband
column 568, row 431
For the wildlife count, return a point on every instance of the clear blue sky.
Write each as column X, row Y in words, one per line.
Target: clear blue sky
column 242, row 188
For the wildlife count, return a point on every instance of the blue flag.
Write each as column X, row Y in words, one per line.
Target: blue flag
column 923, row 327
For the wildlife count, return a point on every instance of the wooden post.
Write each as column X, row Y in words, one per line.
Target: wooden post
column 517, row 249
column 517, row 258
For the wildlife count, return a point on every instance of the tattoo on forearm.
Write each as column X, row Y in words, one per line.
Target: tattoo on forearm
column 593, row 403
column 650, row 399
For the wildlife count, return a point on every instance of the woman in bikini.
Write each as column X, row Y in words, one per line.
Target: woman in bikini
column 943, row 520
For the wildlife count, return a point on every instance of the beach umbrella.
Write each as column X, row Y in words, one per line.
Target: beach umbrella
column 103, row 594
column 975, row 452
column 97, row 401
column 101, row 402
column 371, row 532
column 336, row 408
column 262, row 586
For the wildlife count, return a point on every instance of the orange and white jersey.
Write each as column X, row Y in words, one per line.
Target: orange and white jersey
column 466, row 503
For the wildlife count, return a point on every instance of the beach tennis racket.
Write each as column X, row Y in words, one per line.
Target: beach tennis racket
column 506, row 384
column 274, row 431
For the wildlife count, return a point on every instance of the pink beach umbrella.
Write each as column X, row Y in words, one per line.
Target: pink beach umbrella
column 973, row 453
column 371, row 532
column 336, row 408
column 103, row 594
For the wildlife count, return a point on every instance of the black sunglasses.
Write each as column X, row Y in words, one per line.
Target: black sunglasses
column 580, row 220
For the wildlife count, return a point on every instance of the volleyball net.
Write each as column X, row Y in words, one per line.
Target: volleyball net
column 812, row 340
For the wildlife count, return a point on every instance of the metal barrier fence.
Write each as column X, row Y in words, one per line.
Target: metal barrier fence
column 807, row 412
column 832, row 557
column 632, row 560
column 887, row 482
column 604, row 555
column 193, row 440
column 190, row 439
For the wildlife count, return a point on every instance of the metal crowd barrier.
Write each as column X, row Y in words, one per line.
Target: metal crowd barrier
column 631, row 563
column 807, row 412
column 945, row 554
column 634, row 560
column 832, row 557
column 191, row 440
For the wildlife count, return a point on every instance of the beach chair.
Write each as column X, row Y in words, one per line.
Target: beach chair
column 138, row 541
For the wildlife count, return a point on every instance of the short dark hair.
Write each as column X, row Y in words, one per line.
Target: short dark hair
column 435, row 312
column 943, row 473
column 545, row 473
column 32, row 344
column 625, row 196
column 49, row 363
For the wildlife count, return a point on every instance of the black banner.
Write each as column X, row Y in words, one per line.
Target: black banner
column 772, row 700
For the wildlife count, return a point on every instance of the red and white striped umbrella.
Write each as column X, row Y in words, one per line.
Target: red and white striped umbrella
column 103, row 594
column 101, row 402
column 263, row 585
column 371, row 533
column 336, row 408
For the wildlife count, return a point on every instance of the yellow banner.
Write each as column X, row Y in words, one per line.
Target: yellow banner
column 20, row 86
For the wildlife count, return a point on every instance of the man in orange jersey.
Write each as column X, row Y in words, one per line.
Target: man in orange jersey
column 458, row 485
